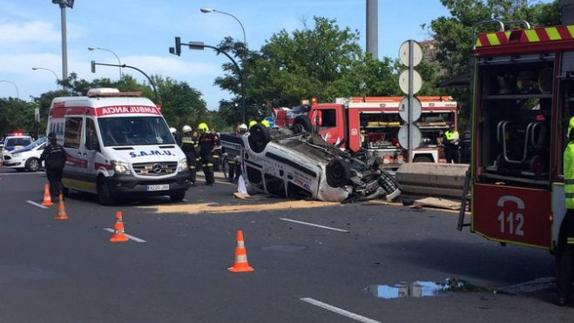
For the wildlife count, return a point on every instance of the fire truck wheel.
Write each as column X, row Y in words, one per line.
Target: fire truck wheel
column 338, row 172
column 302, row 123
column 258, row 138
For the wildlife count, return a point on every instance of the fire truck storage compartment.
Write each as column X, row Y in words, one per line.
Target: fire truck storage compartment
column 514, row 119
column 379, row 130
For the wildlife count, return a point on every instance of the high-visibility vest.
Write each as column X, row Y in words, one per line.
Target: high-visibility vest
column 568, row 166
column 451, row 135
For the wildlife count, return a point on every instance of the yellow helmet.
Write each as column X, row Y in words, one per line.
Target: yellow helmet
column 203, row 127
column 265, row 123
column 252, row 123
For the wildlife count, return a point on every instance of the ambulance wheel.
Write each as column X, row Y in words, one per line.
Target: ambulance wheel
column 105, row 196
column 338, row 172
column 177, row 196
column 258, row 138
column 65, row 191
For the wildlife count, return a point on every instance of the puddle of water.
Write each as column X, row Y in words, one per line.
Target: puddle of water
column 420, row 288
column 284, row 248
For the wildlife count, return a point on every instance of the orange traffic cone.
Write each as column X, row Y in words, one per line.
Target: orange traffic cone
column 61, row 215
column 241, row 264
column 47, row 199
column 119, row 230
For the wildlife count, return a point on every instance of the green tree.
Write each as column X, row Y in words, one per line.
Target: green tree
column 324, row 62
column 16, row 114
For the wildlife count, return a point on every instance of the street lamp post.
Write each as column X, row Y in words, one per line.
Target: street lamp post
column 209, row 10
column 49, row 70
column 157, row 97
column 15, row 87
column 201, row 46
column 110, row 51
column 63, row 4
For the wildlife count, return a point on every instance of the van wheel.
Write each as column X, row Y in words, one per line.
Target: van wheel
column 302, row 124
column 338, row 172
column 105, row 196
column 32, row 165
column 259, row 137
column 177, row 196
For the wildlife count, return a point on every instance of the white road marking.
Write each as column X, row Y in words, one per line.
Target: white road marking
column 314, row 225
column 14, row 174
column 339, row 311
column 136, row 239
column 36, row 204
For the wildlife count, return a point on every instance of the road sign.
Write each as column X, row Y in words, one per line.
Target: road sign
column 417, row 53
column 415, row 135
column 404, row 109
column 404, row 82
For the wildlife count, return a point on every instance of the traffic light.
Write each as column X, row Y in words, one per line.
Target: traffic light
column 177, row 49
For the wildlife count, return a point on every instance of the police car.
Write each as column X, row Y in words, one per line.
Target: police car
column 26, row 158
column 15, row 141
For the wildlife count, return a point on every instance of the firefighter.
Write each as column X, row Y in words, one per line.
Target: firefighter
column 208, row 142
column 189, row 145
column 566, row 257
column 265, row 123
column 451, row 139
column 175, row 135
column 54, row 157
column 216, row 154
column 235, row 163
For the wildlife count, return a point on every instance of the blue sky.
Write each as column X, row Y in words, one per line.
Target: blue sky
column 141, row 31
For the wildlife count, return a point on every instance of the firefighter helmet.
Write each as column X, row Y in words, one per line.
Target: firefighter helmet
column 186, row 129
column 243, row 126
column 265, row 123
column 252, row 123
column 172, row 130
column 203, row 127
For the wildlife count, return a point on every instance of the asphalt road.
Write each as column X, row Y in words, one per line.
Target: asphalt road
column 68, row 271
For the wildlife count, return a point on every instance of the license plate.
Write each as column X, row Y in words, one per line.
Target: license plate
column 162, row 187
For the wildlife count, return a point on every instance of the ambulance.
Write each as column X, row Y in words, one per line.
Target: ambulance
column 117, row 144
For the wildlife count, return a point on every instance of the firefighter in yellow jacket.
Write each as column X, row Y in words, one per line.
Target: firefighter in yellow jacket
column 208, row 143
column 566, row 252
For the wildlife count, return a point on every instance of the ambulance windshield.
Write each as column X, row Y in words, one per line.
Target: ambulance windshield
column 133, row 131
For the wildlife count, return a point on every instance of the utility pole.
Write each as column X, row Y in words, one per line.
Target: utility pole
column 63, row 4
column 373, row 28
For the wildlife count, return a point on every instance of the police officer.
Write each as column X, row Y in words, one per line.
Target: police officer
column 54, row 157
column 451, row 139
column 189, row 145
column 235, row 163
column 208, row 142
column 566, row 252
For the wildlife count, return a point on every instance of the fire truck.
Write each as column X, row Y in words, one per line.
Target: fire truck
column 523, row 97
column 373, row 123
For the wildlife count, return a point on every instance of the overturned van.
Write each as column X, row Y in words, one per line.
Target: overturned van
column 117, row 144
column 302, row 164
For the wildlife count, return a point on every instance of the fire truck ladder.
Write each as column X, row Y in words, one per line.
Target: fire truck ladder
column 464, row 202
